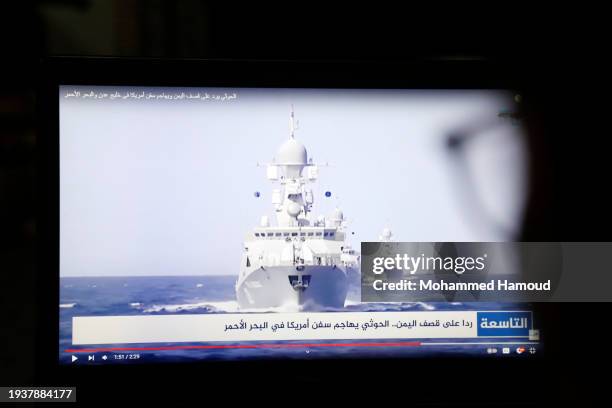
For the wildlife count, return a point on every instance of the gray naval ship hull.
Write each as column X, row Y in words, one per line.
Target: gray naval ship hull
column 309, row 287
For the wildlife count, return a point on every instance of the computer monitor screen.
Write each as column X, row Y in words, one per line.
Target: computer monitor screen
column 217, row 223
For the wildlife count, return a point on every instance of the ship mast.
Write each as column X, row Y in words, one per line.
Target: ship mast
column 293, row 125
column 292, row 169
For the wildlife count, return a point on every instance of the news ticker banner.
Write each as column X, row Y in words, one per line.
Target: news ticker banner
column 241, row 327
column 486, row 271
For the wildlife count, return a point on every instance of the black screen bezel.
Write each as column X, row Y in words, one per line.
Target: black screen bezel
column 430, row 74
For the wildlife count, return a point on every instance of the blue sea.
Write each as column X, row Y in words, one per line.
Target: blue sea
column 154, row 295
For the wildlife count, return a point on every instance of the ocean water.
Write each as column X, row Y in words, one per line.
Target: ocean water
column 154, row 295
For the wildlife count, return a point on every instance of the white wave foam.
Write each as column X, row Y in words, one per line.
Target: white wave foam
column 426, row 306
column 228, row 306
column 67, row 305
column 231, row 306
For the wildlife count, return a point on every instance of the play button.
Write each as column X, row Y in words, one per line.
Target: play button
column 74, row 358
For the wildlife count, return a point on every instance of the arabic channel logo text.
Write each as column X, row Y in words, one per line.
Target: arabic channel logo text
column 498, row 324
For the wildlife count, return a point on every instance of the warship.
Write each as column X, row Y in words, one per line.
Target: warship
column 297, row 261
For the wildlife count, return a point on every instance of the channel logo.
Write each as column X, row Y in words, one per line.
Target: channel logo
column 503, row 324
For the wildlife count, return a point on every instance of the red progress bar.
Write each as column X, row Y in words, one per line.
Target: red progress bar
column 246, row 346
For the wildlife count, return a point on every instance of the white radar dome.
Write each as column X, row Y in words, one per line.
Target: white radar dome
column 293, row 153
column 294, row 209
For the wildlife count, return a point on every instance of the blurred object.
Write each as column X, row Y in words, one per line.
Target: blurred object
column 489, row 166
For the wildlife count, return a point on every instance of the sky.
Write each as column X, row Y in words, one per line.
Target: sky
column 167, row 186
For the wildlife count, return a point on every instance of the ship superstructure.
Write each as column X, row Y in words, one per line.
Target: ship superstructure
column 297, row 260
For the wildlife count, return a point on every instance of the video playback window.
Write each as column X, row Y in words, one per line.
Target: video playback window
column 227, row 224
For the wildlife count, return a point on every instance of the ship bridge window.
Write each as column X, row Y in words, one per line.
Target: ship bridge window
column 318, row 234
column 248, row 262
column 285, row 234
column 257, row 234
column 310, row 234
column 278, row 234
column 325, row 234
column 294, row 234
column 331, row 234
column 270, row 234
column 302, row 234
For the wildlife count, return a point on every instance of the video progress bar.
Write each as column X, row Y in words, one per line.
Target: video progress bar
column 245, row 346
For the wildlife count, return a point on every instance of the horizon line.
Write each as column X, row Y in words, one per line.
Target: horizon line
column 141, row 276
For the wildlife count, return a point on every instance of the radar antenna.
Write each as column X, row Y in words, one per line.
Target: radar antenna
column 293, row 124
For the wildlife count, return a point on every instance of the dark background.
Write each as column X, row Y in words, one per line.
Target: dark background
column 561, row 51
